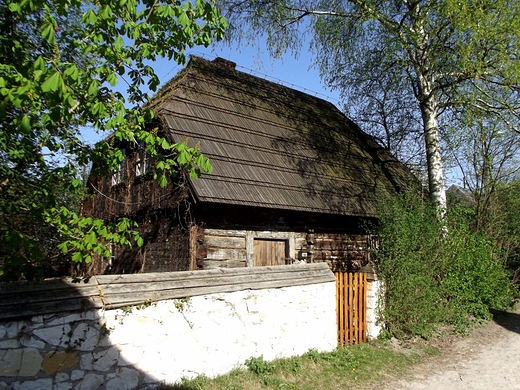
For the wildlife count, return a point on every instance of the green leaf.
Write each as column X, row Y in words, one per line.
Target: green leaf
column 122, row 225
column 77, row 257
column 112, row 79
column 99, row 109
column 83, row 222
column 63, row 247
column 25, row 124
column 91, row 238
column 119, row 43
column 106, row 12
column 39, row 64
column 135, row 33
column 90, row 17
column 69, row 100
column 53, row 83
column 183, row 19
column 15, row 7
column 195, row 173
column 163, row 181
column 72, row 72
column 183, row 157
column 207, row 166
column 93, row 88
column 47, row 33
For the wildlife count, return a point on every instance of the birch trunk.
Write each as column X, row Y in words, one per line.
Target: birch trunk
column 429, row 111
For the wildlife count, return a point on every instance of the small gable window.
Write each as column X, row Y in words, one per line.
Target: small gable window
column 119, row 174
column 142, row 162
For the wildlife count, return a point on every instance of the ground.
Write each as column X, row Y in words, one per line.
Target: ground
column 487, row 359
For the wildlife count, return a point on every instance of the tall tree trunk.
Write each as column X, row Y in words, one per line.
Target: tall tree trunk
column 429, row 111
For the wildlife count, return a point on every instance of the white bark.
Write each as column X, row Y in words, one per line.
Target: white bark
column 429, row 111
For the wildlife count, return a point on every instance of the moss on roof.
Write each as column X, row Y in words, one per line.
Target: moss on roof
column 273, row 146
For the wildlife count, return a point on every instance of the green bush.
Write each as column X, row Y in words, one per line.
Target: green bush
column 259, row 366
column 433, row 277
column 503, row 221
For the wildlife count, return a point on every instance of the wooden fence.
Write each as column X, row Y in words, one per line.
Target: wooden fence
column 351, row 310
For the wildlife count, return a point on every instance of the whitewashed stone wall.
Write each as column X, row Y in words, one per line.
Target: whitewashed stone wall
column 138, row 347
column 374, row 324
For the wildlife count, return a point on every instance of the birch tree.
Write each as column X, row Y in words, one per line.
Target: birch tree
column 440, row 57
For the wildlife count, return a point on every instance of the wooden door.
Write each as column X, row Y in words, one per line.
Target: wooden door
column 269, row 252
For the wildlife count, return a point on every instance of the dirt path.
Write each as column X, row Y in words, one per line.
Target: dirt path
column 488, row 359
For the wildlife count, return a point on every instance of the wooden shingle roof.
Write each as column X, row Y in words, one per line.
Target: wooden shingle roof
column 272, row 146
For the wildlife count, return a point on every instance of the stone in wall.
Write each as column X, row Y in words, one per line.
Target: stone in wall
column 20, row 362
column 59, row 361
column 124, row 349
column 57, row 336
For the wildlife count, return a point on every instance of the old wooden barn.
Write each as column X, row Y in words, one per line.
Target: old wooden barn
column 293, row 179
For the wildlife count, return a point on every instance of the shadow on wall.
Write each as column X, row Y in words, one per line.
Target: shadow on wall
column 136, row 331
column 50, row 345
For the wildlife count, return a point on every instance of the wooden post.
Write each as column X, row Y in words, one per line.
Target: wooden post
column 310, row 246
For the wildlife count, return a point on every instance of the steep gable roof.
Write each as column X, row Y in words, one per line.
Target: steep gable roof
column 272, row 146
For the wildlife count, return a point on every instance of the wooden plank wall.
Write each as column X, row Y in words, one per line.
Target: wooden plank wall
column 351, row 300
column 224, row 248
column 23, row 299
column 228, row 248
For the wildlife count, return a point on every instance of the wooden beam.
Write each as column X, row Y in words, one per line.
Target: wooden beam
column 24, row 299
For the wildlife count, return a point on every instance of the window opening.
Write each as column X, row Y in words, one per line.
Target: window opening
column 119, row 174
column 142, row 164
column 112, row 258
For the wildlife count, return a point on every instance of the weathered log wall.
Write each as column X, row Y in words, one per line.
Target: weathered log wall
column 224, row 248
column 180, row 235
column 166, row 249
column 343, row 252
column 135, row 195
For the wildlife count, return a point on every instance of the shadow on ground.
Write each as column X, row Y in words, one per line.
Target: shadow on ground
column 508, row 320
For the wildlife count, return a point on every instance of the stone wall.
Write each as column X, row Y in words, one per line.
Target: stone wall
column 142, row 345
column 374, row 324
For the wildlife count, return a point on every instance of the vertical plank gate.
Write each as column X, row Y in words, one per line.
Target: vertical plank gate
column 351, row 310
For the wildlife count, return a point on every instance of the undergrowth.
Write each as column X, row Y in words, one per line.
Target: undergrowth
column 436, row 273
column 346, row 367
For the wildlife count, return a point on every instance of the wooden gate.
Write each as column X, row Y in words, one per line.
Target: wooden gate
column 351, row 310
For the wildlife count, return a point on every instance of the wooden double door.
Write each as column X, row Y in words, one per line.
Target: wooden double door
column 269, row 252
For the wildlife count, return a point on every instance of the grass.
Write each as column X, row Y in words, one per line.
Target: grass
column 350, row 367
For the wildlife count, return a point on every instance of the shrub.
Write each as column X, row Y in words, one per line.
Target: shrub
column 432, row 277
column 259, row 366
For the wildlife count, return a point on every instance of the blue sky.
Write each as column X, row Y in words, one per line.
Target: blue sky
column 294, row 73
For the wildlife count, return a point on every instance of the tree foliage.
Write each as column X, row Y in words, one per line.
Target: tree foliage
column 416, row 65
column 487, row 157
column 432, row 279
column 60, row 62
